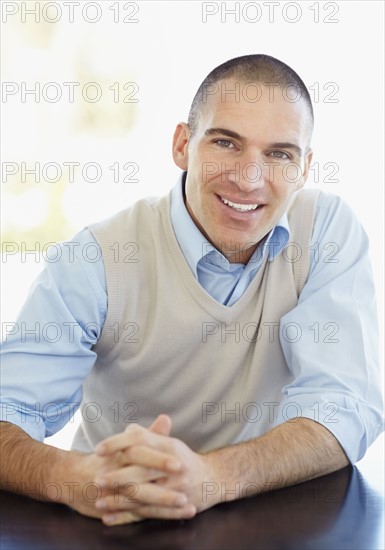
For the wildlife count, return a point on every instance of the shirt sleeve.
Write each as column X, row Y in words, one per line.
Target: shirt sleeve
column 330, row 339
column 47, row 353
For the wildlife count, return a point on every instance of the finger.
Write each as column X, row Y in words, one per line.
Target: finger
column 119, row 518
column 161, row 425
column 112, row 462
column 120, row 478
column 184, row 512
column 131, row 474
column 133, row 435
column 141, row 455
column 137, row 496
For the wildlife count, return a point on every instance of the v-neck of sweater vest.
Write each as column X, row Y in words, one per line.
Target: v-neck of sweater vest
column 219, row 311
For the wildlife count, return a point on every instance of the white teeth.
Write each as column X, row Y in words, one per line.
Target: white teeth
column 240, row 207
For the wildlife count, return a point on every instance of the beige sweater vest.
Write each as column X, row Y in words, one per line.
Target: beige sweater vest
column 168, row 347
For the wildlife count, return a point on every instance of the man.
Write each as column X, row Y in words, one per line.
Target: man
column 224, row 341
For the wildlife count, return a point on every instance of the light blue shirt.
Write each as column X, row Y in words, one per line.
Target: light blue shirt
column 48, row 352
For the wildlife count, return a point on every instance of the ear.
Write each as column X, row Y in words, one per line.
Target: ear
column 305, row 172
column 180, row 145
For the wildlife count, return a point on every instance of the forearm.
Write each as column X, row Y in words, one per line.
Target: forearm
column 30, row 467
column 290, row 453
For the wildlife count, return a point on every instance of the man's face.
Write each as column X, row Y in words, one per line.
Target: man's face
column 244, row 162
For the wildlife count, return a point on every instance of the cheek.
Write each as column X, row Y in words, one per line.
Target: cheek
column 282, row 188
column 196, row 200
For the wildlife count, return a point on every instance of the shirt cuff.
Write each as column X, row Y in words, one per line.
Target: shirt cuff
column 32, row 424
column 353, row 424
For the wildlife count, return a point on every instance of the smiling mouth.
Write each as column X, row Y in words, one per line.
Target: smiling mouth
column 240, row 207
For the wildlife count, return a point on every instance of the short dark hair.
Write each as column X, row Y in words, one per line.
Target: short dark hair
column 258, row 68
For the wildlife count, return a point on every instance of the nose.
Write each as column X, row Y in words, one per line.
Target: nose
column 249, row 174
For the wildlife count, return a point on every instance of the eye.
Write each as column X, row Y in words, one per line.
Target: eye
column 224, row 143
column 279, row 155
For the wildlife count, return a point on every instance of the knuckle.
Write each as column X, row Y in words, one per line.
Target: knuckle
column 183, row 484
column 175, row 445
column 132, row 428
column 147, row 511
column 156, row 474
column 127, row 454
column 135, row 432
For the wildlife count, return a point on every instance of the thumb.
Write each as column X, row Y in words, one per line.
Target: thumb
column 161, row 425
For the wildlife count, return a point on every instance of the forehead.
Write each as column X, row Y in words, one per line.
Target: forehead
column 255, row 109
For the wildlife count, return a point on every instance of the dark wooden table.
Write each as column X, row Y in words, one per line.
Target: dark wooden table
column 338, row 511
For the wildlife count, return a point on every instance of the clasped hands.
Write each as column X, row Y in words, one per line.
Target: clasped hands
column 155, row 475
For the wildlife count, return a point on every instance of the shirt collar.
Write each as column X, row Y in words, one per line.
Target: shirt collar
column 195, row 246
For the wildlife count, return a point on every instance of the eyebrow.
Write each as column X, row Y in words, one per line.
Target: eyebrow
column 224, row 132
column 235, row 135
